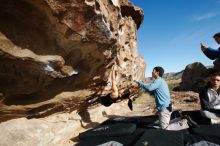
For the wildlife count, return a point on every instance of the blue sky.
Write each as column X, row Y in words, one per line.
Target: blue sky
column 172, row 30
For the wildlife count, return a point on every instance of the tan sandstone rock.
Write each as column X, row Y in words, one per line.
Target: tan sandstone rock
column 55, row 54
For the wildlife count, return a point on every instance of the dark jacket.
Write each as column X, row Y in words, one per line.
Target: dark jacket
column 212, row 53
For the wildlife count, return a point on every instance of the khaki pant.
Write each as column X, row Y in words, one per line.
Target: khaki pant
column 174, row 125
column 164, row 118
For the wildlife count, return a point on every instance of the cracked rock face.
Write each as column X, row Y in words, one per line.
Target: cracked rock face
column 56, row 54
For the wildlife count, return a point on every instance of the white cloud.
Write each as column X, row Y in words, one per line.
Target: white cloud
column 205, row 16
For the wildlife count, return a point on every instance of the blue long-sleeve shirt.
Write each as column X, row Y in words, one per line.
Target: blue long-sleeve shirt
column 161, row 92
column 212, row 53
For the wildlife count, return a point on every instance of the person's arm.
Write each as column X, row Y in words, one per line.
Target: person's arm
column 149, row 87
column 114, row 94
column 212, row 53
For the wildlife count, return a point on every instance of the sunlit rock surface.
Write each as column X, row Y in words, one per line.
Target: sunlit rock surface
column 55, row 54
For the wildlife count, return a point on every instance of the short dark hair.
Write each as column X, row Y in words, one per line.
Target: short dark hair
column 216, row 35
column 215, row 74
column 160, row 70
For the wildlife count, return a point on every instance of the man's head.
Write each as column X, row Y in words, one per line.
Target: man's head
column 217, row 37
column 157, row 72
column 215, row 81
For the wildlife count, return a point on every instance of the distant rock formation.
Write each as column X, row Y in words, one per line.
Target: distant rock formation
column 173, row 75
column 55, row 54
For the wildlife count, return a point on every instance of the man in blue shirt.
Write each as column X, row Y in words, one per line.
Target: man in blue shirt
column 213, row 53
column 162, row 95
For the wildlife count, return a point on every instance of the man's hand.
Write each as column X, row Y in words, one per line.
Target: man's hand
column 134, row 83
column 203, row 47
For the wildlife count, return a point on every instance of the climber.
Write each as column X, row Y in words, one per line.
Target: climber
column 114, row 89
column 114, row 95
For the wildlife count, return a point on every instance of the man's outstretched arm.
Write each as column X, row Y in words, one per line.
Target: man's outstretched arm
column 149, row 87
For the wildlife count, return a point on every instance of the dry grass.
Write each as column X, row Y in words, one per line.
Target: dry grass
column 173, row 83
column 144, row 98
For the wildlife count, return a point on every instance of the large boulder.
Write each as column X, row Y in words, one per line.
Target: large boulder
column 193, row 78
column 216, row 65
column 55, row 54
